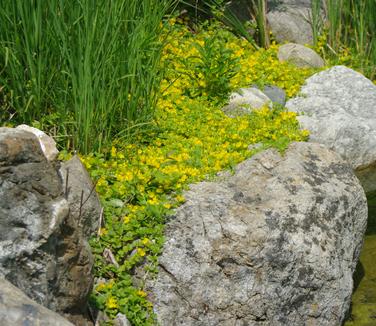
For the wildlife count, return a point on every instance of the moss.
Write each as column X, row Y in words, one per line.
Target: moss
column 363, row 307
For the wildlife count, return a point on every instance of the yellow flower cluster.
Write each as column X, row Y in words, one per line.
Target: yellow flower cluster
column 256, row 67
column 191, row 139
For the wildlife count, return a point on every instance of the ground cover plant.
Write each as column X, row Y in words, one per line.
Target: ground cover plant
column 190, row 140
column 344, row 31
column 142, row 104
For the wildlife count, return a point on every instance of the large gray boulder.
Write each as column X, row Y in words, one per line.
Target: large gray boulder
column 274, row 244
column 290, row 21
column 42, row 250
column 339, row 110
column 17, row 309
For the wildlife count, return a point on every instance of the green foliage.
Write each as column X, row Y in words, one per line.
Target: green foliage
column 221, row 11
column 212, row 69
column 349, row 28
column 92, row 64
column 191, row 140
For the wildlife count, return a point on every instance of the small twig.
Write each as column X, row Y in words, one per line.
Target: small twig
column 91, row 192
column 100, row 222
column 109, row 256
column 331, row 49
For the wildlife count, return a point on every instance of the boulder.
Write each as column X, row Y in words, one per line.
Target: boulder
column 290, row 21
column 300, row 55
column 339, row 106
column 42, row 250
column 80, row 192
column 274, row 244
column 244, row 100
column 47, row 144
column 17, row 309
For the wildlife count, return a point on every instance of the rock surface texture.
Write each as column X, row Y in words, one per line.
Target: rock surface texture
column 339, row 107
column 276, row 94
column 17, row 309
column 274, row 244
column 290, row 20
column 80, row 191
column 47, row 144
column 244, row 100
column 42, row 250
column 300, row 55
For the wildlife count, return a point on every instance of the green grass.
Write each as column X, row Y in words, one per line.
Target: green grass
column 349, row 25
column 90, row 67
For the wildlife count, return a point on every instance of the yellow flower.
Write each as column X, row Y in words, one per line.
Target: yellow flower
column 111, row 303
column 141, row 252
column 102, row 231
column 141, row 293
column 180, row 199
column 153, row 201
column 126, row 219
column 305, row 133
column 110, row 284
column 145, row 241
column 101, row 286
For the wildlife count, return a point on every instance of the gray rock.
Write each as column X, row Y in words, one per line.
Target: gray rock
column 291, row 23
column 289, row 20
column 300, row 55
column 339, row 106
column 121, row 320
column 17, row 309
column 42, row 250
column 83, row 200
column 275, row 244
column 244, row 101
column 276, row 94
column 274, row 4
column 47, row 144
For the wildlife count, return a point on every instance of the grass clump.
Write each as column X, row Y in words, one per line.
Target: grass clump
column 89, row 68
column 348, row 33
column 190, row 140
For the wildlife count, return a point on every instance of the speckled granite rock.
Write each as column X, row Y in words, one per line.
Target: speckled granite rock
column 275, row 244
column 290, row 20
column 339, row 110
column 42, row 249
column 17, row 309
column 81, row 188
